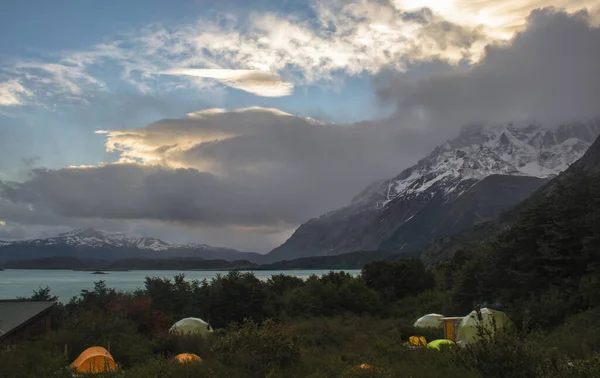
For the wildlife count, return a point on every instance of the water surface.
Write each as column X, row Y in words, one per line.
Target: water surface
column 67, row 283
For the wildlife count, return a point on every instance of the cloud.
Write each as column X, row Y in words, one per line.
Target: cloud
column 501, row 19
column 254, row 52
column 257, row 82
column 13, row 93
column 548, row 73
column 253, row 170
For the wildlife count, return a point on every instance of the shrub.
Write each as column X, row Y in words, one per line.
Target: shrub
column 257, row 350
column 29, row 361
column 235, row 297
column 398, row 279
column 331, row 295
column 506, row 355
column 172, row 344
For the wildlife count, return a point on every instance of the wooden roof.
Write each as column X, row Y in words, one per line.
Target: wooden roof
column 15, row 313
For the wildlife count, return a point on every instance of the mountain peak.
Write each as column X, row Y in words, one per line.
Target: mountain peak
column 84, row 233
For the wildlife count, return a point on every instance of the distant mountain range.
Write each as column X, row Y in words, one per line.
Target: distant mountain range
column 469, row 180
column 93, row 244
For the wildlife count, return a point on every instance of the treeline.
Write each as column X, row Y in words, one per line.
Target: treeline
column 235, row 296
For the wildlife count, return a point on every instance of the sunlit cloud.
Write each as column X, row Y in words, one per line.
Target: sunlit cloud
column 500, row 18
column 13, row 93
column 257, row 82
column 2, row 223
column 168, row 142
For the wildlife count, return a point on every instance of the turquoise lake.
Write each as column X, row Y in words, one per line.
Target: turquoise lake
column 67, row 283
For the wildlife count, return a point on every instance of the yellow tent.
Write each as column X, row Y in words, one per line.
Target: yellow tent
column 191, row 326
column 187, row 357
column 417, row 341
column 468, row 329
column 94, row 360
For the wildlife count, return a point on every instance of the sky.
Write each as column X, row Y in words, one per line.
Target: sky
column 231, row 123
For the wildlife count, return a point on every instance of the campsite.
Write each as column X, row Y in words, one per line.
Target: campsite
column 335, row 325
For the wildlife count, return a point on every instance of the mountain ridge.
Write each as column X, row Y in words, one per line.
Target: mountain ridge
column 90, row 242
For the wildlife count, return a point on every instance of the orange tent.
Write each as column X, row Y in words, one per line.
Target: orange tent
column 94, row 360
column 187, row 357
column 417, row 341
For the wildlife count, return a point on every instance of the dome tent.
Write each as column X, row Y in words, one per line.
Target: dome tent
column 436, row 344
column 417, row 341
column 187, row 357
column 429, row 320
column 468, row 327
column 191, row 326
column 94, row 360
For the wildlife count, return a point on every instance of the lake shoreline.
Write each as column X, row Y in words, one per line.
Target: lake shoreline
column 68, row 283
column 168, row 269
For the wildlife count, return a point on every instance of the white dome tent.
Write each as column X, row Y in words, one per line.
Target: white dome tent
column 429, row 321
column 468, row 327
column 191, row 326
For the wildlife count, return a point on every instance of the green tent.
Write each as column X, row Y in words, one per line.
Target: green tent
column 191, row 326
column 435, row 344
column 468, row 327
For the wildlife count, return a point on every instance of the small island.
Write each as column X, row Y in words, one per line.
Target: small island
column 99, row 272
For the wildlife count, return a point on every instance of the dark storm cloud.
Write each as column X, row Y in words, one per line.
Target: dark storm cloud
column 271, row 169
column 127, row 191
column 550, row 73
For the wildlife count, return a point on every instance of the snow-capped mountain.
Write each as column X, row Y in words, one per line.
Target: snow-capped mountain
column 455, row 186
column 92, row 243
column 479, row 152
column 93, row 238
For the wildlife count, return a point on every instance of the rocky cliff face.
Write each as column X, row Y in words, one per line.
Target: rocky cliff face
column 471, row 179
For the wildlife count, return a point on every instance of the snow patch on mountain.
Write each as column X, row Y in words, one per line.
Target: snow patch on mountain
column 482, row 151
column 93, row 238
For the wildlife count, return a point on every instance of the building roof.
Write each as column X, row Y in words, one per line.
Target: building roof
column 14, row 313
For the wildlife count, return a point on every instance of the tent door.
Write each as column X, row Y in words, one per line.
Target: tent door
column 450, row 329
